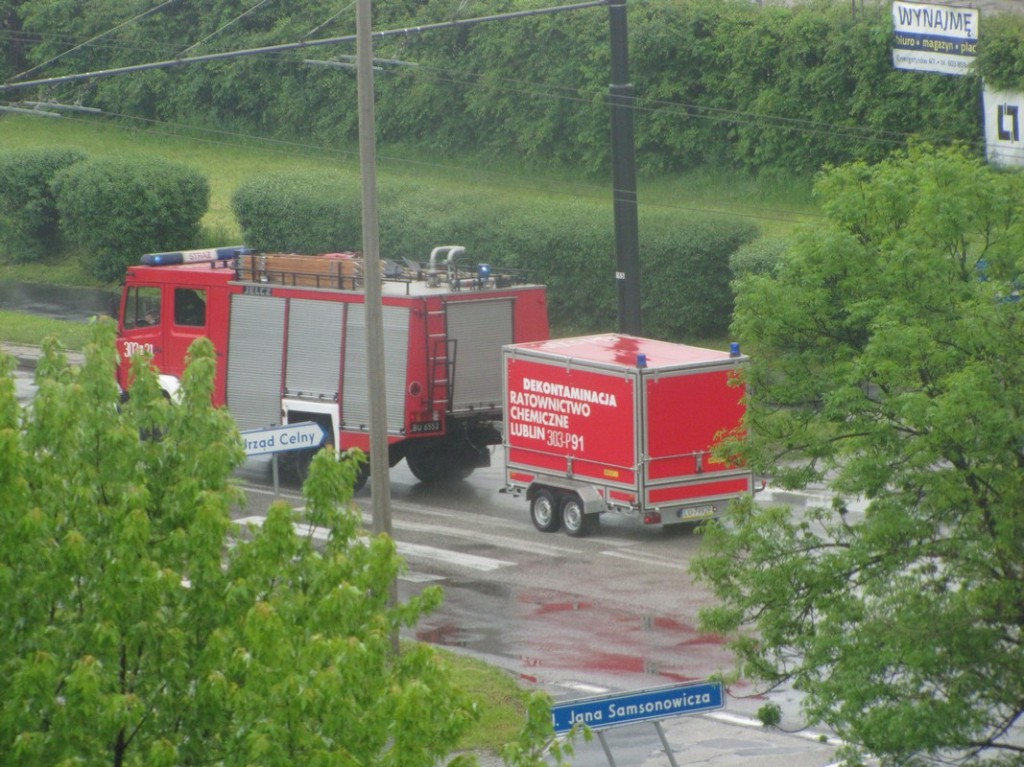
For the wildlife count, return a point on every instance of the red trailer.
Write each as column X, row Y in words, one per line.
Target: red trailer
column 289, row 332
column 619, row 423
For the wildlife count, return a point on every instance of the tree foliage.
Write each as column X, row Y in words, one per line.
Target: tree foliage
column 889, row 368
column 1002, row 56
column 778, row 87
column 142, row 627
column 12, row 52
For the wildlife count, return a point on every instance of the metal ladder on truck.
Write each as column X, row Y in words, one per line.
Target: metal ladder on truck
column 441, row 363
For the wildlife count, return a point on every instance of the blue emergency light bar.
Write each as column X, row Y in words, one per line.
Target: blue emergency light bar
column 195, row 256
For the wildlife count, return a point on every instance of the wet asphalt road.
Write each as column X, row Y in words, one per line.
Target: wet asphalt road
column 616, row 611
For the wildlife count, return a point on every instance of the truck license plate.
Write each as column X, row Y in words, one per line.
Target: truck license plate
column 696, row 512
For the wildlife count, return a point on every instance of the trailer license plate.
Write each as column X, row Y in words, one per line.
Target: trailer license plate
column 697, row 512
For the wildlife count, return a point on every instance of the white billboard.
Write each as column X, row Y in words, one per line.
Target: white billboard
column 1004, row 134
column 934, row 38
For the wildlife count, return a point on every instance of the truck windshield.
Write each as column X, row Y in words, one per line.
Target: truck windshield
column 141, row 307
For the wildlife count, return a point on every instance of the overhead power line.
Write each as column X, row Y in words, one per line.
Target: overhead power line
column 216, row 32
column 22, row 110
column 326, row 23
column 91, row 40
column 285, row 47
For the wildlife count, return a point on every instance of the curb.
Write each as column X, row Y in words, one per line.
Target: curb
column 27, row 356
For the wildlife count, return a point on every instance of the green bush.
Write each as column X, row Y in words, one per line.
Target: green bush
column 112, row 210
column 757, row 257
column 29, row 222
column 685, row 279
column 300, row 212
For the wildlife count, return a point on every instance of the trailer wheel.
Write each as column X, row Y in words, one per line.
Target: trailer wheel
column 544, row 512
column 577, row 524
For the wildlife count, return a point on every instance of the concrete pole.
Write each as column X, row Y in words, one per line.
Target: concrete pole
column 627, row 238
column 380, row 478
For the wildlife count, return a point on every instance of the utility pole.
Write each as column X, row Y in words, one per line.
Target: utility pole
column 380, row 475
column 627, row 238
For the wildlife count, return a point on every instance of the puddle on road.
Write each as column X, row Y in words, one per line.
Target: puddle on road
column 539, row 631
column 450, row 635
column 59, row 302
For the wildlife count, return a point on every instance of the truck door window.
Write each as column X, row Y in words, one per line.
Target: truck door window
column 189, row 307
column 142, row 308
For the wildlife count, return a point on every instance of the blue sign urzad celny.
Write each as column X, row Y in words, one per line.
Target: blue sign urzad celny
column 281, row 439
column 638, row 706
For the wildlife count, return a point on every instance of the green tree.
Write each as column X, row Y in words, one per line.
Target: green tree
column 142, row 627
column 889, row 368
column 12, row 52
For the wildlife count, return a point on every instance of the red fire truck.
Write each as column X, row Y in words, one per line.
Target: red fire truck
column 619, row 423
column 289, row 332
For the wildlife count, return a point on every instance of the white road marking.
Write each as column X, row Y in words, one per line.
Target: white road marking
column 503, row 541
column 418, row 577
column 471, row 561
column 647, row 558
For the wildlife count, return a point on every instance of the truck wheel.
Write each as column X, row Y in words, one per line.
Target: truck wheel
column 577, row 524
column 436, row 466
column 361, row 477
column 298, row 463
column 544, row 512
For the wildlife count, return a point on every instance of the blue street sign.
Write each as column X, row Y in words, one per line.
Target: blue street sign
column 281, row 439
column 638, row 706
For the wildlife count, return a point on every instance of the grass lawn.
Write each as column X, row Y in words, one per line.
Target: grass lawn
column 227, row 159
column 29, row 330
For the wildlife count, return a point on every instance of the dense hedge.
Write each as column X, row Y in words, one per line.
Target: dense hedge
column 758, row 257
column 778, row 87
column 299, row 213
column 29, row 222
column 112, row 210
column 569, row 247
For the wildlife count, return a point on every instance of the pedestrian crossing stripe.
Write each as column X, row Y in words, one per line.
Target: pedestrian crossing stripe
column 408, row 550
